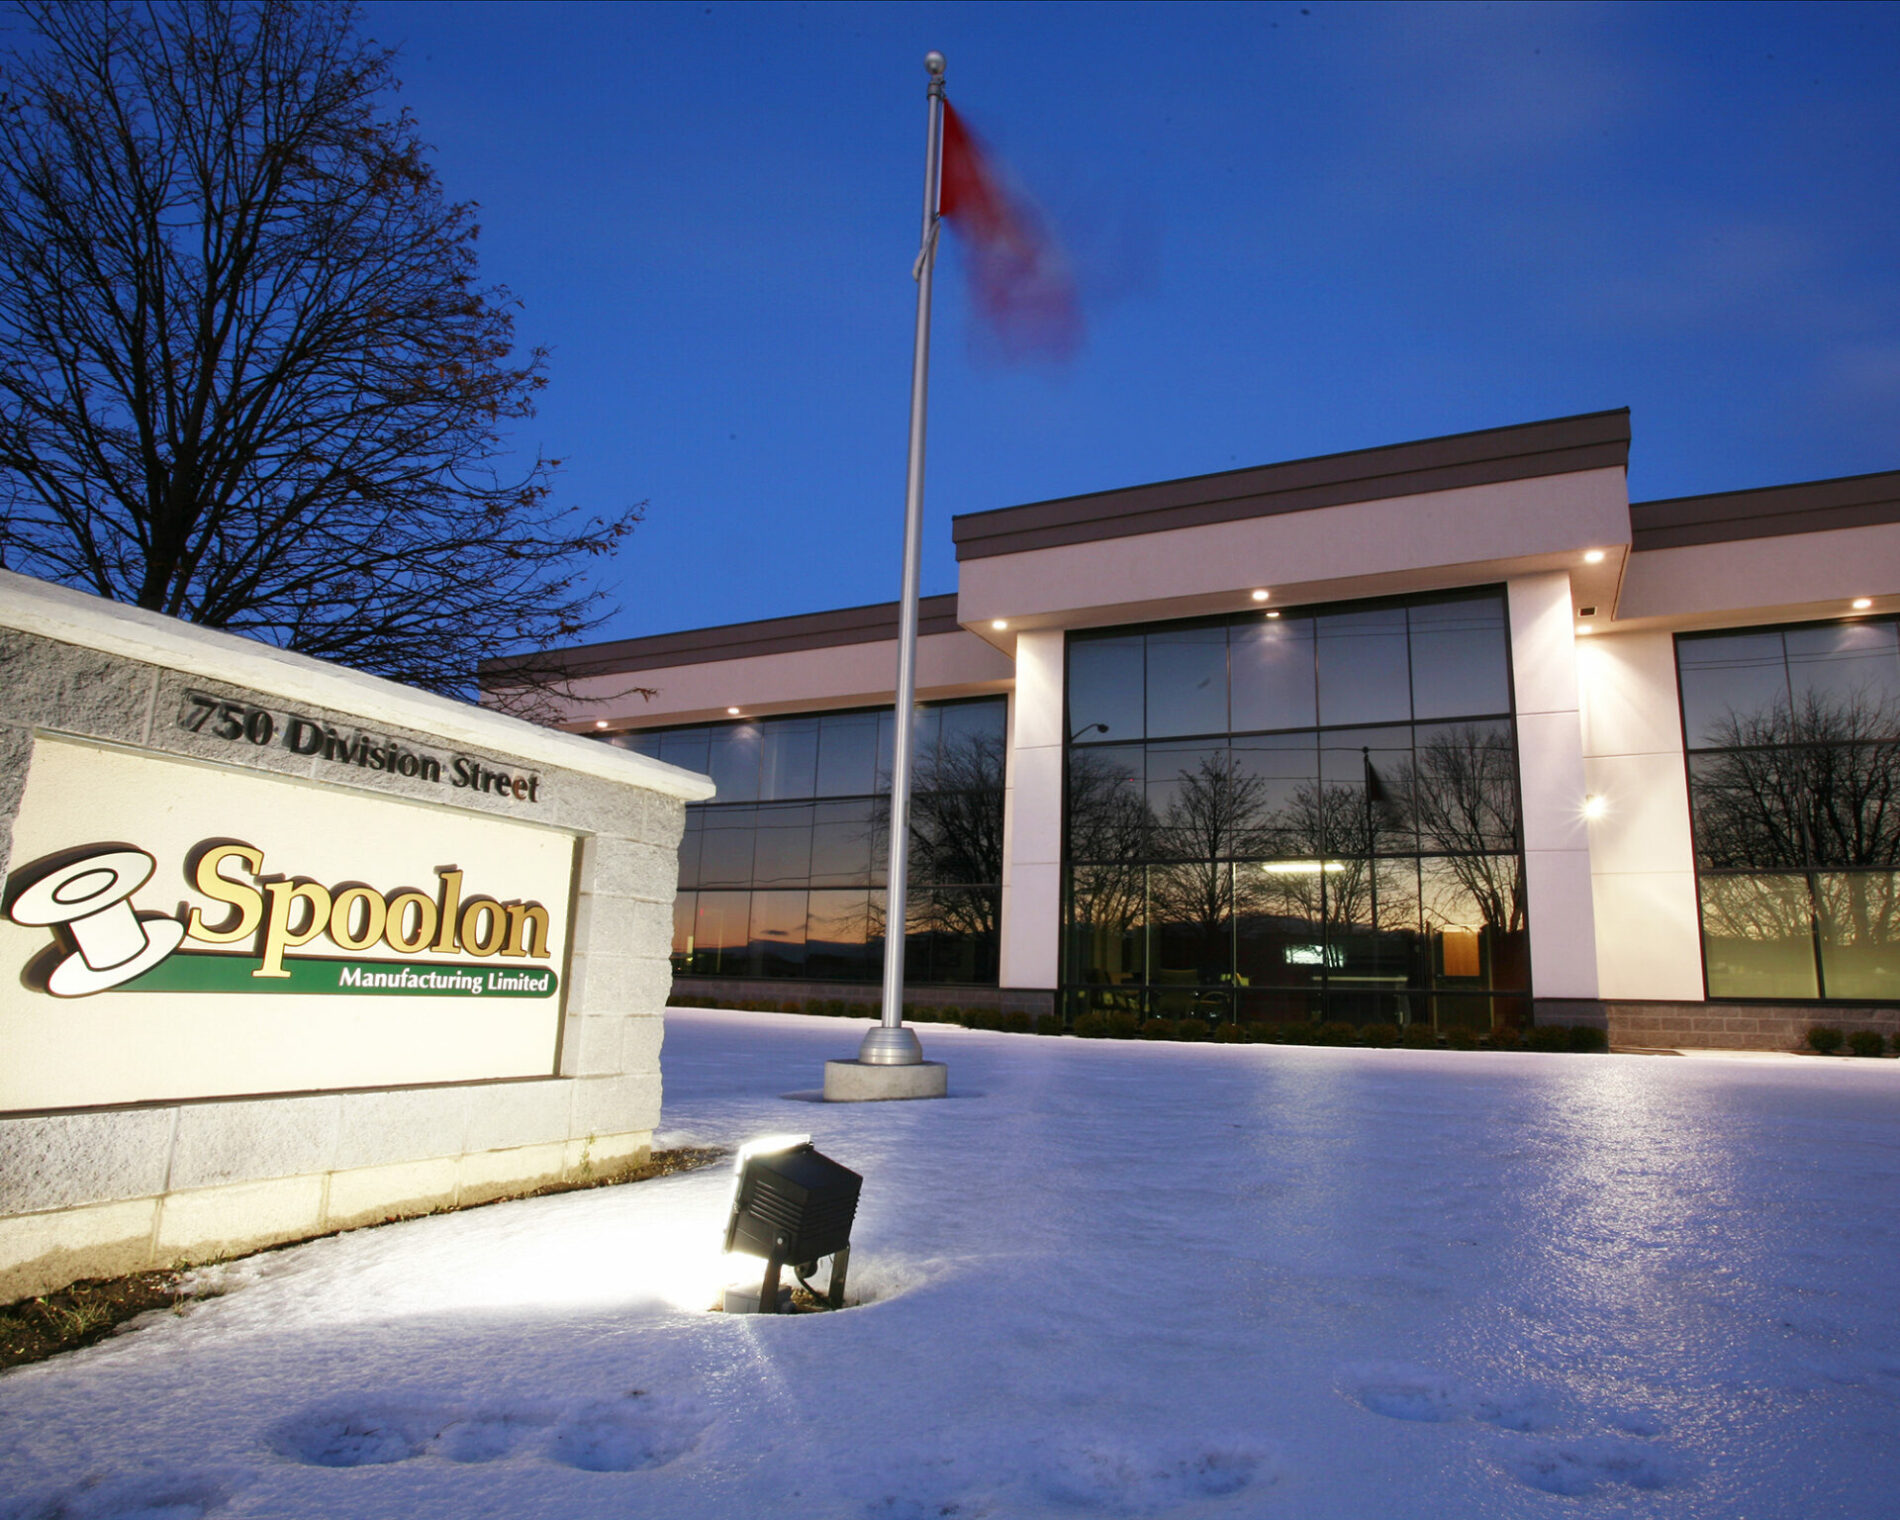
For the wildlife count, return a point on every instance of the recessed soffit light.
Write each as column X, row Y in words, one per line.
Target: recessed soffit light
column 1261, row 596
column 999, row 624
column 1862, row 603
column 732, row 712
column 1593, row 556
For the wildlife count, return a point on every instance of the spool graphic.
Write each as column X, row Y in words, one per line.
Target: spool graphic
column 91, row 899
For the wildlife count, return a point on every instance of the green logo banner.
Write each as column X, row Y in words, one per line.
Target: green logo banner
column 186, row 971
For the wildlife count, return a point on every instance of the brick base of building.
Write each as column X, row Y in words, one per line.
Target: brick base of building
column 1736, row 1026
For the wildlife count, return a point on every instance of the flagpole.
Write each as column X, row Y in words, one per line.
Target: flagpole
column 891, row 1044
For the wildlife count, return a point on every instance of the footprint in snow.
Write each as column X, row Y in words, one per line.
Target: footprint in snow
column 365, row 1434
column 1121, row 1480
column 1401, row 1392
column 483, row 1437
column 1575, row 1468
column 143, row 1496
column 625, row 1436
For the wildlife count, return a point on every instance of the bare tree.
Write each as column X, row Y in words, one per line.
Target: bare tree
column 248, row 376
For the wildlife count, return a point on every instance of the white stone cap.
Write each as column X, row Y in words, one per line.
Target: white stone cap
column 74, row 617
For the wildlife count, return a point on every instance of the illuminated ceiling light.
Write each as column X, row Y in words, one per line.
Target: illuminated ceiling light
column 1302, row 867
column 1862, row 603
column 732, row 712
column 1261, row 596
column 1595, row 807
column 1585, row 628
column 1593, row 556
column 999, row 624
column 1273, row 614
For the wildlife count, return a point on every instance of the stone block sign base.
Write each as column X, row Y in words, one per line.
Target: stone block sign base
column 401, row 953
column 855, row 1082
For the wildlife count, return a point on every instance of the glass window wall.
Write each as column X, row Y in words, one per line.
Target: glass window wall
column 783, row 874
column 1312, row 815
column 1794, row 796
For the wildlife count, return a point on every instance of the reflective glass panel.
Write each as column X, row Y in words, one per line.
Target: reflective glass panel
column 689, row 848
column 1105, row 686
column 1366, row 790
column 1277, row 777
column 1860, row 934
column 1364, row 667
column 685, row 909
column 1187, row 682
column 719, row 933
column 1846, row 680
column 841, row 839
column 735, row 762
column 788, row 759
column 837, row 927
column 1191, row 924
column 1757, row 937
column 725, row 854
column 957, row 837
column 781, row 857
column 778, row 933
column 1107, row 916
column 1273, row 674
column 1472, row 908
column 1851, row 797
column 1107, row 807
column 847, row 755
column 1734, row 690
column 1280, row 923
column 686, row 748
column 1463, row 787
column 962, row 926
column 1192, row 803
column 1748, row 809
column 970, row 750
column 1460, row 657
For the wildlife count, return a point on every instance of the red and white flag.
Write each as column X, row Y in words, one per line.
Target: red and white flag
column 1020, row 282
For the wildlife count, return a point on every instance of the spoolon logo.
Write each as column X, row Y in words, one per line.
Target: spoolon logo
column 89, row 897
column 102, row 942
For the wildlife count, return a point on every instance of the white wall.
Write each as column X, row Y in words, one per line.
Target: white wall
column 1032, row 817
column 1550, row 767
column 1642, row 857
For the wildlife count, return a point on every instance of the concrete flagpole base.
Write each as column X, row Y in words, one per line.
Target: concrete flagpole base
column 861, row 1082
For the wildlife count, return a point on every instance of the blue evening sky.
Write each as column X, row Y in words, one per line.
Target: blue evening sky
column 1299, row 228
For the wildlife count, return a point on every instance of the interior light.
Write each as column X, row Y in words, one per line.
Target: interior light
column 999, row 624
column 1595, row 807
column 1302, row 867
column 1273, row 614
column 1585, row 628
column 1862, row 603
column 732, row 712
column 792, row 1206
column 1261, row 596
column 1593, row 556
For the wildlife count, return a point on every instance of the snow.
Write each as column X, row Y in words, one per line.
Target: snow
column 1100, row 1279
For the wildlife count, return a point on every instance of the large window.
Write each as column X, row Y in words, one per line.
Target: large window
column 1300, row 815
column 783, row 874
column 1793, row 739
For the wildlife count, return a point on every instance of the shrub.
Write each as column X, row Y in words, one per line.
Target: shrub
column 1824, row 1038
column 1461, row 1037
column 1298, row 1032
column 1587, row 1039
column 983, row 1018
column 1191, row 1029
column 1158, row 1029
column 1866, row 1042
column 791, row 1005
column 1016, row 1021
column 1123, row 1026
column 1092, row 1026
column 1420, row 1037
column 1548, row 1037
column 1335, row 1032
column 1505, row 1037
column 1232, row 1034
column 834, row 1008
column 1048, row 1023
column 1382, row 1036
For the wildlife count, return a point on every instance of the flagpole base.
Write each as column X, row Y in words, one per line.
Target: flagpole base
column 857, row 1082
column 888, row 1046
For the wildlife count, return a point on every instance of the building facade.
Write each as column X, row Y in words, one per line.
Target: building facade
column 1448, row 732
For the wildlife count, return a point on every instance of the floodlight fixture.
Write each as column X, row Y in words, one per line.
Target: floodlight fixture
column 793, row 1206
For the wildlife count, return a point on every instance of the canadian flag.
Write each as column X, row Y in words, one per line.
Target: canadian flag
column 1019, row 279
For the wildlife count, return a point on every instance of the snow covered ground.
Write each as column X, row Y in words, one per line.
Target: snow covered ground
column 1103, row 1279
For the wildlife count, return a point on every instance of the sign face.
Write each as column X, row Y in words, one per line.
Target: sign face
column 175, row 930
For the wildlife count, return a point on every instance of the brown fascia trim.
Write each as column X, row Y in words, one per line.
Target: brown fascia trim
column 737, row 641
column 1814, row 506
column 1592, row 441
